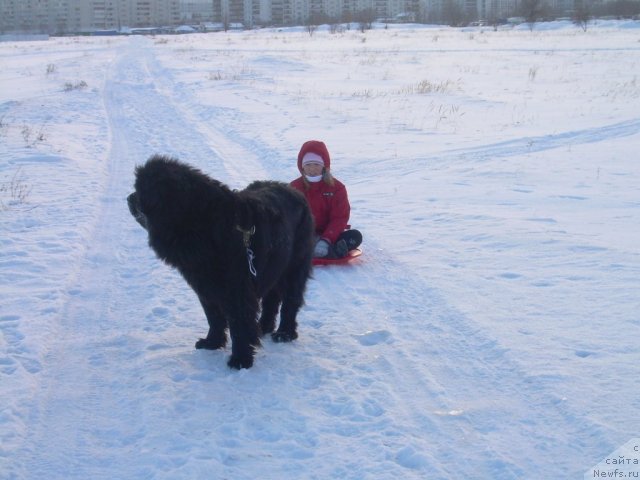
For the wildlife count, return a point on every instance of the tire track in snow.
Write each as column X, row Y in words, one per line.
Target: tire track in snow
column 74, row 424
column 81, row 424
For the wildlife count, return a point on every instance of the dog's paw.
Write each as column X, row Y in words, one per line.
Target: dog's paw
column 283, row 337
column 267, row 327
column 239, row 362
column 206, row 344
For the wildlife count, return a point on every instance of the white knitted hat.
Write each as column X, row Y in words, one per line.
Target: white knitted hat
column 311, row 157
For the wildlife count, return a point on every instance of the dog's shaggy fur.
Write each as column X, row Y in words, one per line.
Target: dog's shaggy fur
column 208, row 232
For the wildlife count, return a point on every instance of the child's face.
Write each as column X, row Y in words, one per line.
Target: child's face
column 313, row 169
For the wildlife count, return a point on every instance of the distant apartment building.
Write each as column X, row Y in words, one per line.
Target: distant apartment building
column 195, row 11
column 77, row 16
column 299, row 12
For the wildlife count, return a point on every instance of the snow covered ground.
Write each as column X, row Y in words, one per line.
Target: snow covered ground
column 490, row 330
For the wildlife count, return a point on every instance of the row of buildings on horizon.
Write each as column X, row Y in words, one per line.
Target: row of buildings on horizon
column 59, row 17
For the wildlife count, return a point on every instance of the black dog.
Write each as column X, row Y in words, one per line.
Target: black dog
column 233, row 248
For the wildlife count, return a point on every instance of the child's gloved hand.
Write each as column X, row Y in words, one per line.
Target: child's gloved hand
column 321, row 249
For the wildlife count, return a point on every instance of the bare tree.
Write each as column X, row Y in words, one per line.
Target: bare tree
column 532, row 11
column 315, row 20
column 365, row 19
column 311, row 28
column 493, row 19
column 582, row 14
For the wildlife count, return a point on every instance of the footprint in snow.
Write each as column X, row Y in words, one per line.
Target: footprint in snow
column 584, row 353
column 7, row 365
column 510, row 275
column 409, row 458
column 374, row 338
column 160, row 312
column 29, row 364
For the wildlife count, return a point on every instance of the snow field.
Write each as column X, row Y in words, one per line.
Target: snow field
column 488, row 331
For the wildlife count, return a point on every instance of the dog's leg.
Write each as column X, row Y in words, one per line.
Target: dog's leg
column 244, row 330
column 270, row 306
column 217, row 336
column 292, row 301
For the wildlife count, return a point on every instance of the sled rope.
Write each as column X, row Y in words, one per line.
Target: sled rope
column 246, row 239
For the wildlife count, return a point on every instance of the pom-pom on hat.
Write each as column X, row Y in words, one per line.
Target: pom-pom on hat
column 314, row 151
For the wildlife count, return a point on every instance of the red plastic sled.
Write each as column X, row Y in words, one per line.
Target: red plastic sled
column 353, row 254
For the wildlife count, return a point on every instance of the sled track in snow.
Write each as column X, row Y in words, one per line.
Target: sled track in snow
column 528, row 145
column 463, row 387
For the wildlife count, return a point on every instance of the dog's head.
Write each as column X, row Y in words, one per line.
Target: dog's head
column 164, row 193
column 173, row 198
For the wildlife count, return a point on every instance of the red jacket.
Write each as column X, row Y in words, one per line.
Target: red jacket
column 329, row 206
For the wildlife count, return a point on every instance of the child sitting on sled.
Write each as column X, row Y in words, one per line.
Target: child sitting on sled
column 328, row 200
